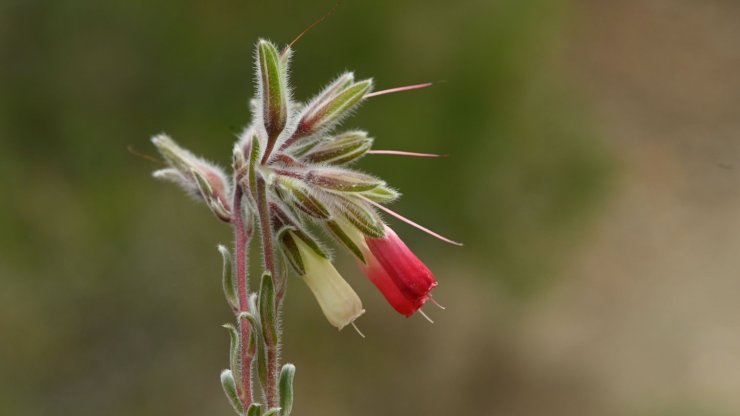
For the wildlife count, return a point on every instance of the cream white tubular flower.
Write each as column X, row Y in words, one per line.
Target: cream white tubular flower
column 337, row 299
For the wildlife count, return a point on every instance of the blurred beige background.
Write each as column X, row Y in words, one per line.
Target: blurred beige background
column 594, row 177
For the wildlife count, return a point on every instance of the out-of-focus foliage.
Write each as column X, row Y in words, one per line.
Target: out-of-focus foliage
column 110, row 298
column 110, row 294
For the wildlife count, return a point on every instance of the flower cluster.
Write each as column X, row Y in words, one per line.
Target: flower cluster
column 305, row 167
column 292, row 175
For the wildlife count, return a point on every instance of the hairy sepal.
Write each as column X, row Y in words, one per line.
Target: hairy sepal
column 273, row 88
column 332, row 105
column 198, row 177
column 361, row 215
column 295, row 192
column 342, row 149
column 342, row 180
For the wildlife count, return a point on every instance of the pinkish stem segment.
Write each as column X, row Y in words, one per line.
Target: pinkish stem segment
column 263, row 211
column 242, row 236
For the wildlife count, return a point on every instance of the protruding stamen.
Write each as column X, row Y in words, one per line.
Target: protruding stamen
column 144, row 156
column 434, row 301
column 311, row 26
column 399, row 89
column 357, row 329
column 413, row 224
column 425, row 316
column 402, row 153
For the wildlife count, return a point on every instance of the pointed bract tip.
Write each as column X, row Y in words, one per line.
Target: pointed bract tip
column 159, row 138
column 399, row 89
column 413, row 224
column 403, row 153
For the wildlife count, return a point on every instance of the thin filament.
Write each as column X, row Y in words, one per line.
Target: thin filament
column 403, row 153
column 311, row 26
column 399, row 89
column 357, row 329
column 413, row 224
column 434, row 301
column 144, row 156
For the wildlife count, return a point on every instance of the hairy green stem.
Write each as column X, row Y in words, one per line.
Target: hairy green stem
column 242, row 236
column 263, row 211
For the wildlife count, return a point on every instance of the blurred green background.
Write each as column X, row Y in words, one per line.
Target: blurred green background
column 593, row 175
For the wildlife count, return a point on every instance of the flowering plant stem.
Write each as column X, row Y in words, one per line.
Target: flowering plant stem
column 243, row 227
column 243, row 235
column 268, row 253
column 292, row 170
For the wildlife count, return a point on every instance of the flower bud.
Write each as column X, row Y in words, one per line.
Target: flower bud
column 361, row 215
column 342, row 149
column 337, row 300
column 195, row 175
column 333, row 104
column 342, row 180
column 273, row 88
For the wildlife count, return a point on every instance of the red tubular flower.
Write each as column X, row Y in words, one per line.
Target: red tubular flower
column 396, row 271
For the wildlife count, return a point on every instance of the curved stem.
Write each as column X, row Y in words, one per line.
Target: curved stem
column 263, row 211
column 242, row 236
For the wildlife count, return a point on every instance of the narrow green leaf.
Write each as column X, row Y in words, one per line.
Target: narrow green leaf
column 229, row 386
column 286, row 388
column 234, row 353
column 261, row 365
column 227, row 278
column 255, row 331
column 250, row 317
column 272, row 412
column 256, row 341
column 255, row 409
column 267, row 309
